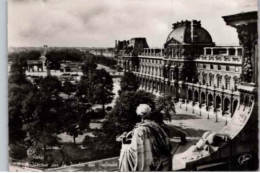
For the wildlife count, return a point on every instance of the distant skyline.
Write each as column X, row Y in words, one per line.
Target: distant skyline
column 98, row 23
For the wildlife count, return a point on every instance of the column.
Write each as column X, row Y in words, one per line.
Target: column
column 236, row 51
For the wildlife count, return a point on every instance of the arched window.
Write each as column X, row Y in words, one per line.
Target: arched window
column 219, row 79
column 211, row 79
column 236, row 80
column 227, row 82
column 204, row 79
column 211, row 66
column 227, row 68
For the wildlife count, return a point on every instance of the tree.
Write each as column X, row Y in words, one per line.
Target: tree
column 68, row 88
column 45, row 122
column 22, row 57
column 102, row 88
column 84, row 90
column 16, row 95
column 75, row 119
column 166, row 105
column 129, row 82
column 123, row 117
column 89, row 67
column 56, row 57
column 50, row 85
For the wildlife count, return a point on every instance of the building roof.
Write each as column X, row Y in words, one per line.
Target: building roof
column 189, row 32
column 241, row 18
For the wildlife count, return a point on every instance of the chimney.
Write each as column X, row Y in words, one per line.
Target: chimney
column 194, row 35
column 115, row 43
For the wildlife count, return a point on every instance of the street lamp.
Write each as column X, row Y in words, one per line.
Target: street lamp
column 193, row 104
column 223, row 110
column 186, row 104
column 200, row 108
column 216, row 116
column 200, row 99
column 215, row 107
column 207, row 108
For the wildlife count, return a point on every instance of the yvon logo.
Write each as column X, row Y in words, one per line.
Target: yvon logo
column 244, row 158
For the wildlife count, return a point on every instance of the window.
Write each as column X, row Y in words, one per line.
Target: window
column 219, row 81
column 211, row 80
column 211, row 66
column 227, row 68
column 227, row 83
column 235, row 83
column 239, row 52
column 232, row 51
column 208, row 51
column 204, row 66
column 204, row 80
column 219, row 67
column 237, row 69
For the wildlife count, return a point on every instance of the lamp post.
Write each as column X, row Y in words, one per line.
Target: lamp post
column 223, row 110
column 193, row 95
column 231, row 102
column 207, row 108
column 199, row 99
column 216, row 115
column 206, row 100
column 186, row 104
column 215, row 107
column 193, row 104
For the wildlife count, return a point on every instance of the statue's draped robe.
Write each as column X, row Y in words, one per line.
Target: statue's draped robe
column 149, row 149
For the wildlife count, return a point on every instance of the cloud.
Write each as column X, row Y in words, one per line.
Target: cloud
column 100, row 22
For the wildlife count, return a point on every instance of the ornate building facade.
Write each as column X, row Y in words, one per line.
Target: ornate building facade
column 190, row 67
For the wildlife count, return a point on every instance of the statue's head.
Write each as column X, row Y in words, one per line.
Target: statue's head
column 144, row 111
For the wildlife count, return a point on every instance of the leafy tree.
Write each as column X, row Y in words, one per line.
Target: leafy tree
column 102, row 88
column 123, row 117
column 44, row 123
column 75, row 119
column 56, row 57
column 68, row 88
column 84, row 90
column 89, row 67
column 50, row 85
column 19, row 89
column 22, row 57
column 17, row 93
column 129, row 82
column 166, row 105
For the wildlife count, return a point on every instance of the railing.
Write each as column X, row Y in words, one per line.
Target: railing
column 155, row 52
column 221, row 58
column 109, row 164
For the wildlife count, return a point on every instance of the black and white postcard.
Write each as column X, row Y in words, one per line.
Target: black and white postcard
column 133, row 85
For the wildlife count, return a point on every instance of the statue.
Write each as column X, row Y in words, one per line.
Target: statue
column 247, row 70
column 147, row 147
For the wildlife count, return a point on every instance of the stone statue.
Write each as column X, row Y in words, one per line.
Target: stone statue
column 147, row 147
column 247, row 70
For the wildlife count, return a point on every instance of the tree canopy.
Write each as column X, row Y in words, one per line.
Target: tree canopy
column 123, row 117
column 129, row 82
column 166, row 105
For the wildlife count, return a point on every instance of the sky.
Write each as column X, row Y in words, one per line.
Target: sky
column 98, row 23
